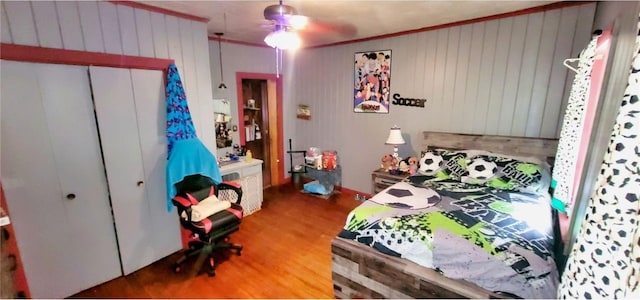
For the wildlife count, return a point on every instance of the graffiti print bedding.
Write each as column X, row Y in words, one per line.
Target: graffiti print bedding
column 500, row 240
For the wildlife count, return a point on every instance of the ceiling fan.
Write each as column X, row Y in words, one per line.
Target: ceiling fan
column 285, row 24
column 285, row 21
column 285, row 16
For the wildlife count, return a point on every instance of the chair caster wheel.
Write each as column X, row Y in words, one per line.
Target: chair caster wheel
column 239, row 252
column 212, row 273
column 177, row 268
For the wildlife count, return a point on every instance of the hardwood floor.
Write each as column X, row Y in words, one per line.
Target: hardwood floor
column 286, row 254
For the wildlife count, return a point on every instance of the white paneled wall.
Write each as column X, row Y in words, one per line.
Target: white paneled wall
column 105, row 27
column 502, row 76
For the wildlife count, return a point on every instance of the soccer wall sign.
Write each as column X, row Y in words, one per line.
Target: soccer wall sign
column 398, row 100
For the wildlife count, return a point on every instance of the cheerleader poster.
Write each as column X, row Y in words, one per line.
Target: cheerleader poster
column 372, row 78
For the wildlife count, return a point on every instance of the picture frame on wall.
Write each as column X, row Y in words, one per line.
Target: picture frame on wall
column 372, row 82
column 303, row 112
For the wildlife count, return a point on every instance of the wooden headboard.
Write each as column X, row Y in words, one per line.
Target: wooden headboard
column 542, row 148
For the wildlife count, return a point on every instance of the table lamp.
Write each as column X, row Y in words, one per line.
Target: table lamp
column 395, row 139
column 220, row 118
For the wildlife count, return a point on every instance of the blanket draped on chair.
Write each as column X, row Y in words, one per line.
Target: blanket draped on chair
column 187, row 155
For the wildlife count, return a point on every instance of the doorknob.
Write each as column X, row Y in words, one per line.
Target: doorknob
column 71, row 196
column 140, row 183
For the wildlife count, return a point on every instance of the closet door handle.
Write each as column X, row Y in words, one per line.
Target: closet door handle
column 140, row 183
column 71, row 196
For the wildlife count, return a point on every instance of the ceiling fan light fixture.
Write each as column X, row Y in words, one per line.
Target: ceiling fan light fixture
column 283, row 39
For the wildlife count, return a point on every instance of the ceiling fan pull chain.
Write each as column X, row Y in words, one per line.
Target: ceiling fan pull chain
column 278, row 58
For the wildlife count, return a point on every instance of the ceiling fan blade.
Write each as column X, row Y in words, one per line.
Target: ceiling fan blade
column 343, row 29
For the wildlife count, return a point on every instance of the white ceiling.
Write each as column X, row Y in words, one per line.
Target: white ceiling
column 339, row 21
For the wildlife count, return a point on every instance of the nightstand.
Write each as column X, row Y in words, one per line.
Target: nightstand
column 381, row 180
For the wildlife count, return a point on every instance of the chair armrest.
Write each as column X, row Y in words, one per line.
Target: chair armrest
column 183, row 211
column 229, row 188
column 187, row 212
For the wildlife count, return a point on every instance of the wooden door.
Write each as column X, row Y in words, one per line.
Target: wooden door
column 54, row 179
column 257, row 116
column 130, row 113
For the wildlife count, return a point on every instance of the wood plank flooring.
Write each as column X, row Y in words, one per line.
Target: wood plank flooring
column 287, row 254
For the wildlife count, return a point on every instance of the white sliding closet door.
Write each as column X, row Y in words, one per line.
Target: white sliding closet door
column 151, row 111
column 130, row 113
column 54, row 179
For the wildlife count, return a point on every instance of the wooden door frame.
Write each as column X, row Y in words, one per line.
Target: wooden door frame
column 276, row 160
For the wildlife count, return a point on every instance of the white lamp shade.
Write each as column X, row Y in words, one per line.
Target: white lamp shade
column 395, row 137
column 220, row 118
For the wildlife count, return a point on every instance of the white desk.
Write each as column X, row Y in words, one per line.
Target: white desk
column 249, row 175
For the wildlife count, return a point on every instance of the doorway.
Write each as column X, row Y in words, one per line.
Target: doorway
column 260, row 109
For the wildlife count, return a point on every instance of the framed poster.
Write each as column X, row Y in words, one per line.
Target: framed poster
column 372, row 81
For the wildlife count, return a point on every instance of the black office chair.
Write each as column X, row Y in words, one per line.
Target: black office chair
column 211, row 233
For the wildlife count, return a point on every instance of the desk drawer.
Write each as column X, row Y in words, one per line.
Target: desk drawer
column 257, row 169
column 385, row 181
column 379, row 188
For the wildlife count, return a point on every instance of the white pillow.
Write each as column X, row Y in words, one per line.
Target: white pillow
column 206, row 208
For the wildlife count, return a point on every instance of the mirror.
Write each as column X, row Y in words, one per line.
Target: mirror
column 222, row 119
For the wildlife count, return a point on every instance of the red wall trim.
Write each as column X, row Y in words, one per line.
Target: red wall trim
column 9, row 247
column 215, row 38
column 532, row 10
column 349, row 191
column 279, row 124
column 83, row 58
column 161, row 10
column 556, row 5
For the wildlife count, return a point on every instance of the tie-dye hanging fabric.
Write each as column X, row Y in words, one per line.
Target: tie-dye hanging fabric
column 605, row 260
column 179, row 123
column 572, row 127
column 187, row 155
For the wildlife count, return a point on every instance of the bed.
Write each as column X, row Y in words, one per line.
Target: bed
column 469, row 232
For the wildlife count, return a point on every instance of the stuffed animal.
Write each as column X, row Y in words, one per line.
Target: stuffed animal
column 413, row 165
column 408, row 163
column 387, row 162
